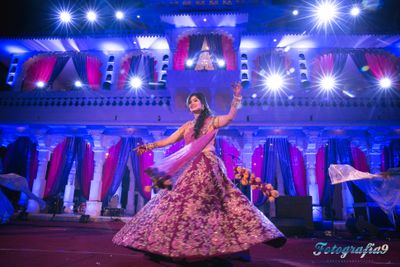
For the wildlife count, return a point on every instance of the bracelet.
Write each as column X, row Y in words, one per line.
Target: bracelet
column 236, row 102
column 150, row 146
column 237, row 97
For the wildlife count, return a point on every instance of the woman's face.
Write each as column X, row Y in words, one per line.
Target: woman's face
column 195, row 105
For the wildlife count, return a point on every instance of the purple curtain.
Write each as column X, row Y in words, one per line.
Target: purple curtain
column 215, row 44
column 391, row 155
column 84, row 166
column 79, row 60
column 21, row 158
column 109, row 167
column 257, row 160
column 125, row 151
column 61, row 61
column 195, row 44
column 64, row 168
column 298, row 170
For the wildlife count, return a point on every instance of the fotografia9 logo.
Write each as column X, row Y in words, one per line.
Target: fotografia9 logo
column 343, row 251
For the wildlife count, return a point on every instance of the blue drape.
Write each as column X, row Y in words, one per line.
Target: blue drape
column 337, row 152
column 360, row 61
column 195, row 44
column 339, row 62
column 6, row 208
column 392, row 154
column 79, row 60
column 215, row 44
column 18, row 160
column 136, row 168
column 66, row 163
column 58, row 67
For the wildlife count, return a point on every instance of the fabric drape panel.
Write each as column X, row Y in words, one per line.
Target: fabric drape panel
column 229, row 155
column 330, row 64
column 84, row 166
column 215, row 44
column 58, row 67
column 124, row 73
column 320, row 171
column 181, row 54
column 257, row 168
column 337, row 152
column 93, row 73
column 268, row 169
column 298, row 170
column 391, row 155
column 175, row 147
column 109, row 167
column 229, row 53
column 21, row 158
column 195, row 44
column 40, row 69
column 382, row 65
column 126, row 149
column 360, row 163
column 283, row 151
column 145, row 161
column 65, row 167
column 54, row 168
column 79, row 60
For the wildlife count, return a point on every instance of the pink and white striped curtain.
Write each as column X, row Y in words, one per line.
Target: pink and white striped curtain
column 38, row 69
column 93, row 65
column 181, row 53
column 229, row 53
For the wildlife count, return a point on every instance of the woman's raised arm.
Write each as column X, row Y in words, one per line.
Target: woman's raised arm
column 224, row 120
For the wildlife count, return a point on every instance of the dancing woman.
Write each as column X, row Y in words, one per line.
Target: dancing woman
column 204, row 215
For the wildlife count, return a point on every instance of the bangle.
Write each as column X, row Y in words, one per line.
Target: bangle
column 150, row 146
column 237, row 97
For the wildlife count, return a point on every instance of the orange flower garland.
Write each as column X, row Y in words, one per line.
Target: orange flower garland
column 248, row 178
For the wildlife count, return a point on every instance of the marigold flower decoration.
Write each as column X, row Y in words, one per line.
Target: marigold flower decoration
column 248, row 178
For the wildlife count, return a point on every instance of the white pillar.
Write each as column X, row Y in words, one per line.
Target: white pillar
column 313, row 142
column 94, row 204
column 70, row 190
column 39, row 184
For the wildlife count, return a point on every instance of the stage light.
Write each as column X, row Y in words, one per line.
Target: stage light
column 385, row 83
column 254, row 95
column 221, row 63
column 40, row 84
column 138, row 16
column 119, row 15
column 189, row 63
column 349, row 94
column 78, row 84
column 205, row 20
column 91, row 16
column 65, row 16
column 355, row 11
column 291, row 70
column 295, row 12
column 327, row 83
column 275, row 40
column 274, row 82
column 325, row 13
column 135, row 82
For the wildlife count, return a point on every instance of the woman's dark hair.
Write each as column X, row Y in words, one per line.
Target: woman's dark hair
column 205, row 113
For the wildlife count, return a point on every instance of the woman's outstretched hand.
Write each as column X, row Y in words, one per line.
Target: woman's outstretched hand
column 140, row 149
column 237, row 89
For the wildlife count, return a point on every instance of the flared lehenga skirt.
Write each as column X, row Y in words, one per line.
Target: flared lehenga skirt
column 204, row 215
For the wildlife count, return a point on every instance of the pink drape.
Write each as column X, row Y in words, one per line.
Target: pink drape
column 33, row 168
column 55, row 167
column 320, row 170
column 109, row 167
column 324, row 64
column 175, row 147
column 39, row 70
column 381, row 65
column 145, row 161
column 229, row 53
column 88, row 170
column 359, row 159
column 124, row 72
column 229, row 155
column 298, row 170
column 257, row 160
column 93, row 65
column 181, row 53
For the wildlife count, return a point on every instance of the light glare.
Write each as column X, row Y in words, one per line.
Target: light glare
column 91, row 16
column 385, row 83
column 135, row 82
column 65, row 16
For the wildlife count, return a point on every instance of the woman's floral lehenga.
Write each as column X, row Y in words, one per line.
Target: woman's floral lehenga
column 204, row 215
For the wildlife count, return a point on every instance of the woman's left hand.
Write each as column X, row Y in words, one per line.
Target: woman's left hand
column 237, row 89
